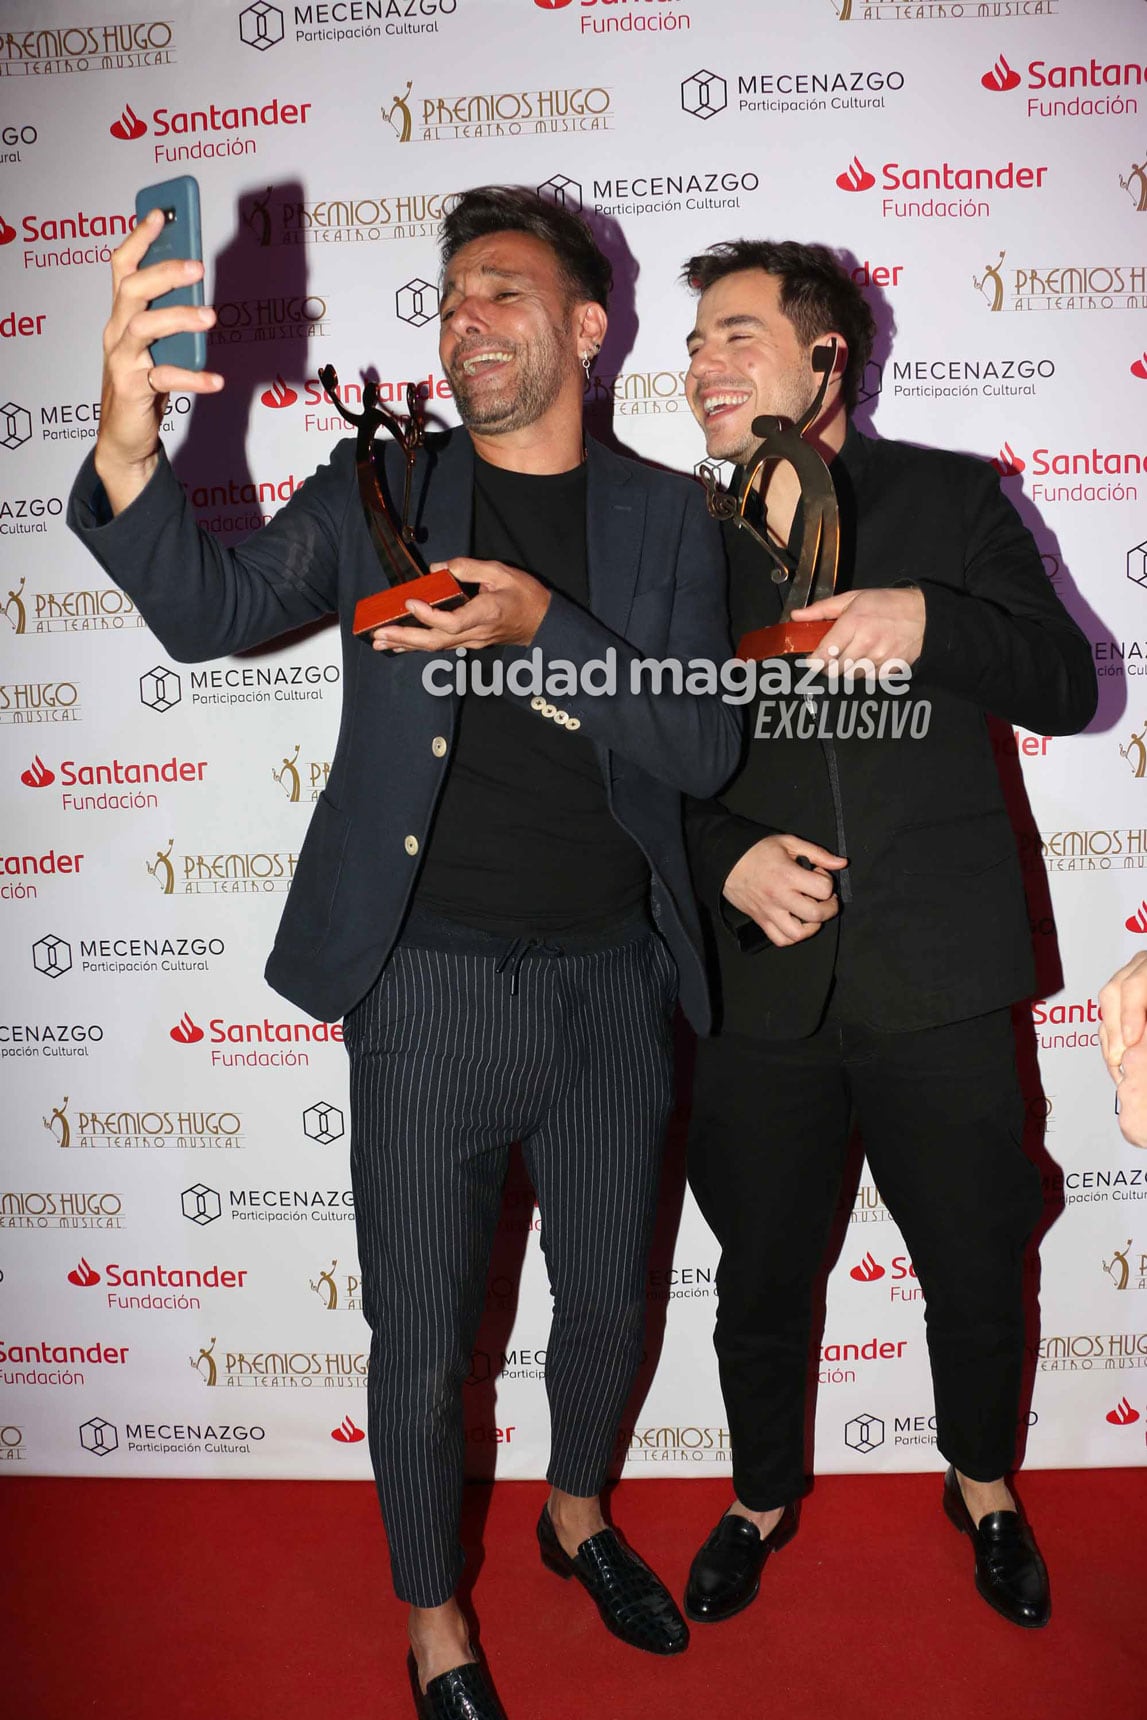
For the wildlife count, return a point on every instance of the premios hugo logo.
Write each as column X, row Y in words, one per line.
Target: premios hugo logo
column 224, row 129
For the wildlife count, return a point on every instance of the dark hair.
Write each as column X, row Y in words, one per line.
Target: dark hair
column 817, row 294
column 514, row 209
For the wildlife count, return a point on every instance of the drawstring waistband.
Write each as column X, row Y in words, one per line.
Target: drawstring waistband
column 517, row 953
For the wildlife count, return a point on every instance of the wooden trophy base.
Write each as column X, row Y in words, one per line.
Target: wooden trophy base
column 388, row 608
column 783, row 639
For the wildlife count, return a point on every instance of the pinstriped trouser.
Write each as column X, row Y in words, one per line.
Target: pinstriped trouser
column 453, row 1056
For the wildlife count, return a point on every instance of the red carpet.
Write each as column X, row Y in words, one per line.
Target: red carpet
column 150, row 1600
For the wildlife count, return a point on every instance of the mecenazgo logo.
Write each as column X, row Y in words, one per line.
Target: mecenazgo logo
column 665, row 193
column 815, row 91
column 167, row 122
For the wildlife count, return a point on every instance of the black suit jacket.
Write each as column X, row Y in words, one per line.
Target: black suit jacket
column 656, row 584
column 933, row 925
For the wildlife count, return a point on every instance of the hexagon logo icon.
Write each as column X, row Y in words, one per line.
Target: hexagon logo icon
column 323, row 1123
column 201, row 1204
column 261, row 26
column 51, row 955
column 99, row 1436
column 15, row 425
column 1137, row 563
column 416, row 302
column 864, row 1433
column 704, row 94
column 560, row 189
column 160, row 689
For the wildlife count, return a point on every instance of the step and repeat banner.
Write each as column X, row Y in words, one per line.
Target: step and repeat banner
column 180, row 1288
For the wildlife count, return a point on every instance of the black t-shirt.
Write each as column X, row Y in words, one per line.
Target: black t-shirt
column 523, row 841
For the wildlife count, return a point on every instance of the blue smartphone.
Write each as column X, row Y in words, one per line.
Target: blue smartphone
column 182, row 236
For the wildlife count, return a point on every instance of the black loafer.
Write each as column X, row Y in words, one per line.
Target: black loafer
column 633, row 1603
column 463, row 1693
column 726, row 1574
column 1010, row 1574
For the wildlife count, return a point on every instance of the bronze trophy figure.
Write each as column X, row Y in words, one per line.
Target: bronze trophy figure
column 391, row 542
column 813, row 572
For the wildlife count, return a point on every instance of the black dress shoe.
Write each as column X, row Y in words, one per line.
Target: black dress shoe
column 463, row 1693
column 726, row 1574
column 1010, row 1574
column 633, row 1603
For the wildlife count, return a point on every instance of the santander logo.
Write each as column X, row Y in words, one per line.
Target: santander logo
column 186, row 1031
column 856, row 177
column 83, row 1275
column 1122, row 1415
column 1138, row 922
column 1008, row 463
column 37, row 774
column 279, row 394
column 867, row 1271
column 1001, row 77
column 128, row 126
column 1139, row 368
column 551, row 5
column 7, row 232
column 347, row 1433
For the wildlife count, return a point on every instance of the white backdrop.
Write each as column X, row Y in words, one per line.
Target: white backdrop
column 179, row 1291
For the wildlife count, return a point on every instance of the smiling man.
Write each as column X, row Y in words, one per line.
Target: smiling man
column 494, row 891
column 868, row 917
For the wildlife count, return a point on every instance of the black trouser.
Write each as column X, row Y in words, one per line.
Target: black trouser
column 941, row 1116
column 467, row 1043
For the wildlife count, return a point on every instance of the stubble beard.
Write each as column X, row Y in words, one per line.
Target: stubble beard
column 537, row 385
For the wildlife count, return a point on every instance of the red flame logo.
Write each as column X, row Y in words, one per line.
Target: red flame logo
column 185, row 1031
column 37, row 774
column 551, row 5
column 279, row 394
column 347, row 1433
column 1122, row 1415
column 7, row 233
column 128, row 126
column 1139, row 368
column 84, row 1275
column 1001, row 76
column 868, row 1271
column 1008, row 463
column 855, row 177
column 1138, row 922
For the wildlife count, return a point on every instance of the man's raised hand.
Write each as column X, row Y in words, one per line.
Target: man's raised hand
column 134, row 391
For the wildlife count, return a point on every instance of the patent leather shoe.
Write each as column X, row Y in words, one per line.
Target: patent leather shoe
column 463, row 1693
column 1010, row 1573
column 634, row 1604
column 726, row 1574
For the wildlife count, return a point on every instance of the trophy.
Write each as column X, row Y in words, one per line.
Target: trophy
column 813, row 572
column 391, row 542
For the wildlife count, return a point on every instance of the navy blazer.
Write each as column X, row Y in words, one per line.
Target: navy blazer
column 656, row 588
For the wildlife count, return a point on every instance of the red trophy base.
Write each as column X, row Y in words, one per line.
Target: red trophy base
column 388, row 608
column 783, row 639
